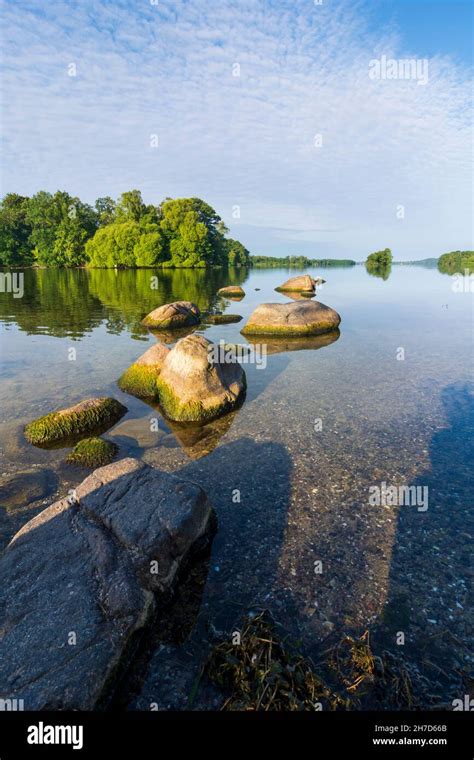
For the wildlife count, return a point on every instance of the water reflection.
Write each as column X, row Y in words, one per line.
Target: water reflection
column 72, row 302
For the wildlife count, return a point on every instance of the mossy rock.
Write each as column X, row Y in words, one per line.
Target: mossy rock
column 223, row 319
column 140, row 378
column 233, row 291
column 85, row 417
column 173, row 315
column 303, row 282
column 297, row 318
column 92, row 452
column 194, row 387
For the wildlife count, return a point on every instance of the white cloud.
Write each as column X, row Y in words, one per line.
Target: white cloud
column 248, row 140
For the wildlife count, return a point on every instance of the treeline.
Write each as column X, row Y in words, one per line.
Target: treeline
column 59, row 230
column 298, row 262
column 456, row 262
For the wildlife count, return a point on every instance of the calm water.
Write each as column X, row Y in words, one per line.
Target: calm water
column 304, row 484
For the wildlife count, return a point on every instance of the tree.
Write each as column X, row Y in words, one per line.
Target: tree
column 130, row 207
column 60, row 224
column 379, row 264
column 150, row 248
column 193, row 230
column 113, row 246
column 105, row 209
column 15, row 231
column 237, row 254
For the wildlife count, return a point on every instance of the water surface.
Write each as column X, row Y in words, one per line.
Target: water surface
column 389, row 400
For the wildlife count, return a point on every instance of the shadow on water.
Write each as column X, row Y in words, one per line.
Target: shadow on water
column 428, row 597
column 248, row 484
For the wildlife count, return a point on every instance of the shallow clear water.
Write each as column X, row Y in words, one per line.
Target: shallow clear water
column 319, row 427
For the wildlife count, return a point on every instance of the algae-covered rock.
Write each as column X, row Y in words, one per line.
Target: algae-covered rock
column 223, row 319
column 140, row 378
column 82, row 418
column 296, row 318
column 92, row 452
column 299, row 284
column 194, row 385
column 233, row 291
column 173, row 315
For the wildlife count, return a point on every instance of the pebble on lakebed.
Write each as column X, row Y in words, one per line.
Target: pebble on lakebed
column 92, row 452
column 87, row 416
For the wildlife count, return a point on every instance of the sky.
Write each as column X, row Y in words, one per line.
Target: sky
column 273, row 111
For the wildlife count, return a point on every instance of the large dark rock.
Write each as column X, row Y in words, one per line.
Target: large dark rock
column 78, row 582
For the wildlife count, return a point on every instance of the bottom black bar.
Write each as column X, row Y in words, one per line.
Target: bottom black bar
column 378, row 734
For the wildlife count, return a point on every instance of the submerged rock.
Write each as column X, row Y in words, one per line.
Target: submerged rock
column 223, row 319
column 92, row 452
column 81, row 580
column 276, row 345
column 84, row 417
column 234, row 291
column 192, row 388
column 299, row 284
column 140, row 378
column 23, row 488
column 173, row 315
column 296, row 318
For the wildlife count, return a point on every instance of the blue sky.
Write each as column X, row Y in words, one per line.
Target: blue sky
column 264, row 108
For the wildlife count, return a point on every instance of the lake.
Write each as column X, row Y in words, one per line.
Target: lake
column 388, row 401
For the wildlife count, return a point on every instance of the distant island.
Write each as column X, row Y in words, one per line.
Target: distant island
column 296, row 262
column 456, row 262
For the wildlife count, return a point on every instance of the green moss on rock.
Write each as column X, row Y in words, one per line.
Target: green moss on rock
column 84, row 417
column 139, row 380
column 191, row 411
column 295, row 330
column 92, row 452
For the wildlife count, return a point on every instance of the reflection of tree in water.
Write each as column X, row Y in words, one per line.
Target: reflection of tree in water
column 55, row 302
column 378, row 269
column 71, row 302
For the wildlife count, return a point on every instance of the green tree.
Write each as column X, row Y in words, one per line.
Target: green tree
column 130, row 207
column 379, row 264
column 60, row 224
column 193, row 230
column 105, row 209
column 151, row 247
column 15, row 231
column 237, row 254
column 456, row 262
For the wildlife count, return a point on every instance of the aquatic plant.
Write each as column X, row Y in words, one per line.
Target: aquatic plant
column 83, row 417
column 92, row 452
